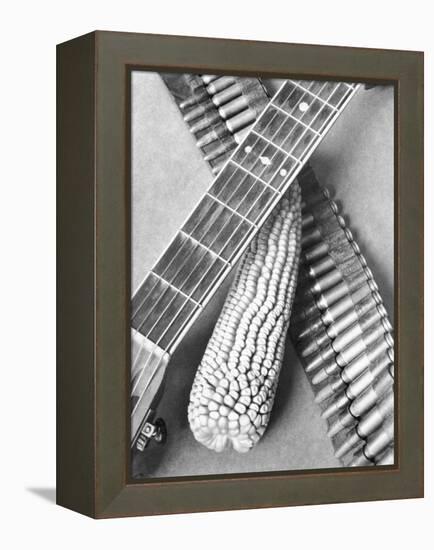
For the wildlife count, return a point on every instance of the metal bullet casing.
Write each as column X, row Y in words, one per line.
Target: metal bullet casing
column 351, row 316
column 333, row 260
column 375, row 367
column 380, row 440
column 232, row 108
column 334, row 387
column 207, row 78
column 218, row 84
column 353, row 439
column 215, row 134
column 315, row 360
column 338, row 404
column 332, row 278
column 377, row 415
column 241, row 120
column 366, row 425
column 360, row 345
column 360, row 459
column 341, row 422
column 387, row 458
column 369, row 422
column 223, row 147
column 371, row 394
column 226, row 95
column 330, row 315
column 346, row 337
column 198, row 111
column 368, row 355
column 307, row 221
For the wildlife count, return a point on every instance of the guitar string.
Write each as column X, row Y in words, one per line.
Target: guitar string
column 195, row 78
column 294, row 145
column 185, row 301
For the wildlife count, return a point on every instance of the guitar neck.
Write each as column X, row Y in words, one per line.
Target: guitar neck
column 228, row 216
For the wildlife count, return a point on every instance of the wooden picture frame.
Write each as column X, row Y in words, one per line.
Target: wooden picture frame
column 93, row 173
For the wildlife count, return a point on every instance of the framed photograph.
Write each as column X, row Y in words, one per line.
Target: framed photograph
column 240, row 274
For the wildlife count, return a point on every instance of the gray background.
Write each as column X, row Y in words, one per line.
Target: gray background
column 355, row 161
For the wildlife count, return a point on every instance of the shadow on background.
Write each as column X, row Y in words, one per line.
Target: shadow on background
column 46, row 493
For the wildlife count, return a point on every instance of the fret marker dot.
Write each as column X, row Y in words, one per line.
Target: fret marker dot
column 303, row 106
column 283, row 172
column 248, row 149
column 265, row 161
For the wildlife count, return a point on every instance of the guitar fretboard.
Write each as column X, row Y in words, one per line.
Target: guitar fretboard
column 233, row 209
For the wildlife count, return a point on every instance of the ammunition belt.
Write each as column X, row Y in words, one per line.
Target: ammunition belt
column 339, row 325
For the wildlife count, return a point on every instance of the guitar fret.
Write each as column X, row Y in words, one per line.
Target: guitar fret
column 315, row 96
column 232, row 210
column 277, row 146
column 298, row 121
column 204, row 246
column 250, row 173
column 176, row 289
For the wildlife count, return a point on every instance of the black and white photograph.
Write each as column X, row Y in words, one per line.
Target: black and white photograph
column 262, row 274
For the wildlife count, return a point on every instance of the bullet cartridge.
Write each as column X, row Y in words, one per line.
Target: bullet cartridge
column 318, row 340
column 199, row 111
column 200, row 94
column 368, row 376
column 215, row 133
column 205, row 122
column 324, row 373
column 320, row 232
column 377, row 415
column 311, row 236
column 331, row 278
column 387, row 458
column 352, row 316
column 241, row 120
column 219, row 84
column 316, row 359
column 327, row 263
column 341, row 422
column 360, row 345
column 371, row 394
column 336, row 406
column 353, row 439
column 334, row 387
column 366, row 358
column 379, row 441
column 307, row 221
column 356, row 330
column 207, row 78
column 360, row 459
column 233, row 107
column 312, row 322
column 350, row 416
column 227, row 95
column 219, row 149
column 367, row 425
column 305, row 328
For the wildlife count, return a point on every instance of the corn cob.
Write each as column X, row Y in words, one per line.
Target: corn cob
column 234, row 387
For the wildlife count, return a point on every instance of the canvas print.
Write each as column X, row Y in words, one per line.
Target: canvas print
column 262, row 274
